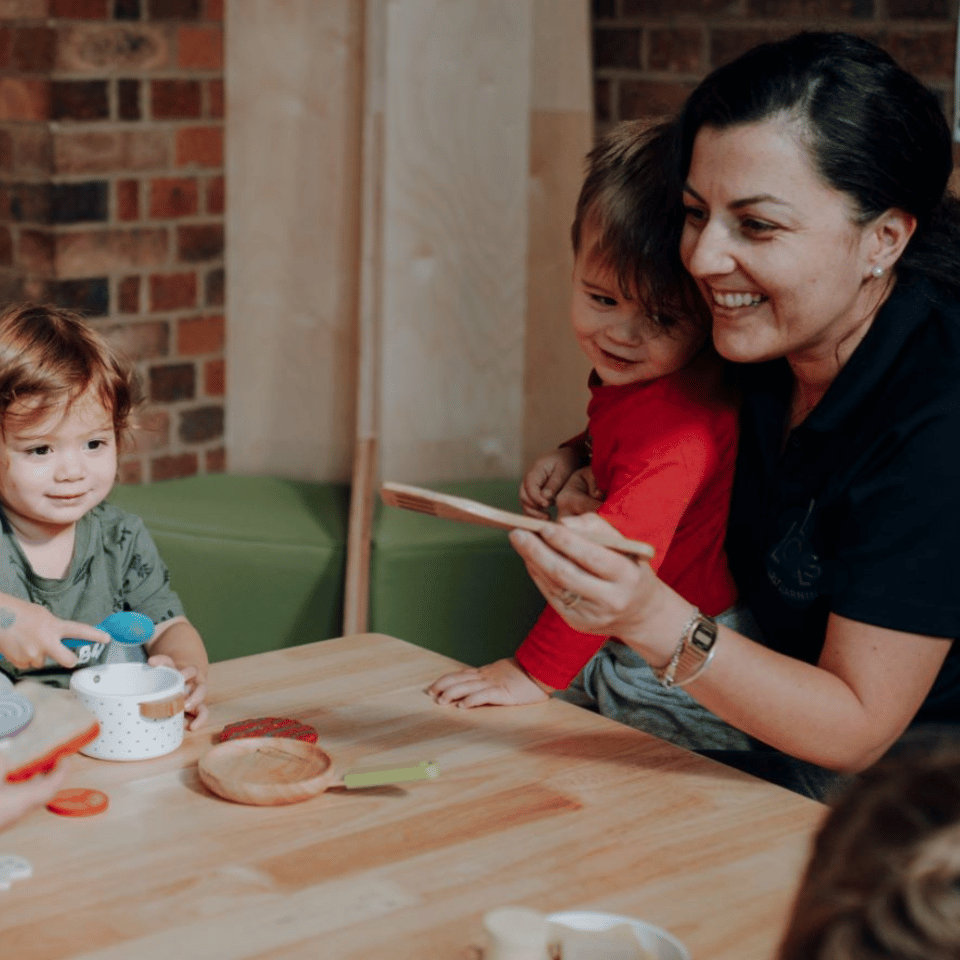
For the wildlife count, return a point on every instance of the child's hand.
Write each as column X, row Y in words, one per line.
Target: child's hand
column 544, row 479
column 501, row 683
column 195, row 682
column 16, row 799
column 580, row 494
column 30, row 633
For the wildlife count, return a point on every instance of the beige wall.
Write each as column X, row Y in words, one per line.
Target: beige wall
column 483, row 107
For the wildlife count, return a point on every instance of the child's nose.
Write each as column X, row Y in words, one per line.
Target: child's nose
column 69, row 467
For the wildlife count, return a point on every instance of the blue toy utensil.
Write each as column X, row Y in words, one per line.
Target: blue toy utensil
column 124, row 626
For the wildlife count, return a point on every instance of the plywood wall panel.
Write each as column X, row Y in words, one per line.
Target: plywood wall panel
column 293, row 81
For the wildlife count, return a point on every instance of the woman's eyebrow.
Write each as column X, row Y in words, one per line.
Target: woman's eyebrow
column 745, row 202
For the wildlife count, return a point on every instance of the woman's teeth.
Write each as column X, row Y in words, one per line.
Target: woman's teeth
column 736, row 299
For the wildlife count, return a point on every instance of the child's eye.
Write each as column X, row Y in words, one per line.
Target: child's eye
column 97, row 444
column 602, row 300
column 39, row 451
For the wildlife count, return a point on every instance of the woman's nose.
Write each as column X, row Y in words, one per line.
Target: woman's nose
column 708, row 251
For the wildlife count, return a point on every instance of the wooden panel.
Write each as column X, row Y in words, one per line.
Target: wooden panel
column 456, row 131
column 293, row 77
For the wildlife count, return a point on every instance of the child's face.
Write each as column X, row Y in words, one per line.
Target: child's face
column 55, row 469
column 620, row 340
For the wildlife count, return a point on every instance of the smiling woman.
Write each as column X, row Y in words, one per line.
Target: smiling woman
column 819, row 232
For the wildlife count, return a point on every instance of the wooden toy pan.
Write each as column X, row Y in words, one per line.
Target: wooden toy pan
column 267, row 771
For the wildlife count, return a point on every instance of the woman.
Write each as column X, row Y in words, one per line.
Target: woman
column 819, row 234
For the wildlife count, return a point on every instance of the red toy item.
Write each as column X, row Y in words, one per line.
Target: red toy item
column 269, row 727
column 78, row 802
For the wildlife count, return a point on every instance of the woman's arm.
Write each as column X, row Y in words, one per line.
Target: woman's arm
column 30, row 633
column 841, row 714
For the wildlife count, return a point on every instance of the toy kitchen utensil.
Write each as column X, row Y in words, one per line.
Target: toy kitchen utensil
column 124, row 626
column 470, row 511
column 140, row 709
column 266, row 771
column 61, row 725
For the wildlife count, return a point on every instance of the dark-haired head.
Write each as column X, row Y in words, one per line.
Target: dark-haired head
column 631, row 202
column 873, row 131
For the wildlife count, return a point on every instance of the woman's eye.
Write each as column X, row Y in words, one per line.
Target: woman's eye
column 694, row 214
column 749, row 225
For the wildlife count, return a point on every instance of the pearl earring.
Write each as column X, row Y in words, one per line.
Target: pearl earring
column 877, row 271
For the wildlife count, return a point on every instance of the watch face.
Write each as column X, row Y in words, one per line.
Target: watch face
column 704, row 635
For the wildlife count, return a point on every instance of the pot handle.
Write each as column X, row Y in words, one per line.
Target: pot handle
column 160, row 709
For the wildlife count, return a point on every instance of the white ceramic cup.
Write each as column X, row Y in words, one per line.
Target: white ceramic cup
column 140, row 709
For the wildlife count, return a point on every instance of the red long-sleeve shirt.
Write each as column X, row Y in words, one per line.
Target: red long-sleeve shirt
column 663, row 453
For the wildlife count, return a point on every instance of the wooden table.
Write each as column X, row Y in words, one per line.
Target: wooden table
column 547, row 806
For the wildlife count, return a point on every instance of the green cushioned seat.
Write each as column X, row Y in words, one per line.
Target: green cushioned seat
column 258, row 562
column 452, row 587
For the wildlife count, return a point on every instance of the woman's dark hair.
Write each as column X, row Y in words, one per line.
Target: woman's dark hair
column 632, row 197
column 874, row 132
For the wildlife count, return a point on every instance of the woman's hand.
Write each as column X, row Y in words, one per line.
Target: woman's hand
column 600, row 591
column 16, row 799
column 30, row 633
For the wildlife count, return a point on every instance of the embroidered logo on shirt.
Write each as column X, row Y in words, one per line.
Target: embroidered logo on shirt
column 793, row 566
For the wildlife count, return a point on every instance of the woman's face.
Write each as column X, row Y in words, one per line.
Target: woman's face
column 774, row 249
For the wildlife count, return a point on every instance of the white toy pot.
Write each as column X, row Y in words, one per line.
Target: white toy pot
column 140, row 709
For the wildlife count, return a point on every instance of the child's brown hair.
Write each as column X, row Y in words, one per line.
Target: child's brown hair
column 883, row 881
column 50, row 356
column 633, row 198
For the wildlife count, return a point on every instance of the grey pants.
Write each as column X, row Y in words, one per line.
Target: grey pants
column 618, row 683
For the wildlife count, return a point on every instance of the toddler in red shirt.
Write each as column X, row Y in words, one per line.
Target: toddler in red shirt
column 662, row 435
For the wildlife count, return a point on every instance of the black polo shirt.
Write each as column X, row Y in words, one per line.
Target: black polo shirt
column 860, row 512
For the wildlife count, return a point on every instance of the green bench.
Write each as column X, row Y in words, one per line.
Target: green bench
column 259, row 563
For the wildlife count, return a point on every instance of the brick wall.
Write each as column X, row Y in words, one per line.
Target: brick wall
column 649, row 54
column 112, row 197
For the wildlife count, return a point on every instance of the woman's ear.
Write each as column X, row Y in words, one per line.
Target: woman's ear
column 889, row 235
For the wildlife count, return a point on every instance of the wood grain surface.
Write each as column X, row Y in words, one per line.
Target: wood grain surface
column 546, row 806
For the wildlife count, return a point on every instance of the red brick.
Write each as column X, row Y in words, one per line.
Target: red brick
column 200, row 48
column 113, row 47
column 667, row 8
column 79, row 100
column 110, row 150
column 215, row 199
column 215, row 461
column 214, row 295
column 200, row 242
column 128, row 295
column 6, row 246
column 727, row 45
column 928, row 53
column 616, row 47
column 128, row 100
column 153, row 431
column 175, row 99
column 130, row 472
column 6, row 151
column 920, row 9
column 213, row 378
column 171, row 383
column 171, row 467
column 23, row 9
column 643, row 98
column 173, row 291
column 197, row 335
column 675, row 51
column 24, row 99
column 199, row 146
column 201, row 424
column 31, row 150
column 173, row 9
column 147, row 340
column 6, row 47
column 36, row 251
column 214, row 10
column 80, row 9
column 813, row 9
column 128, row 200
column 173, row 197
column 33, row 49
column 88, row 252
column 215, row 109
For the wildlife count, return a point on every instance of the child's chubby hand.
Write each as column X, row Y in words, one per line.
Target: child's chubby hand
column 580, row 494
column 503, row 683
column 30, row 633
column 16, row 799
column 544, row 480
column 195, row 682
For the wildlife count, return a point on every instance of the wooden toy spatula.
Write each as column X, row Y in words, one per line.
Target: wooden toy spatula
column 450, row 507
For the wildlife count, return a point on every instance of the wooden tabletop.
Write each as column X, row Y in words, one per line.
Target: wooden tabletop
column 546, row 806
